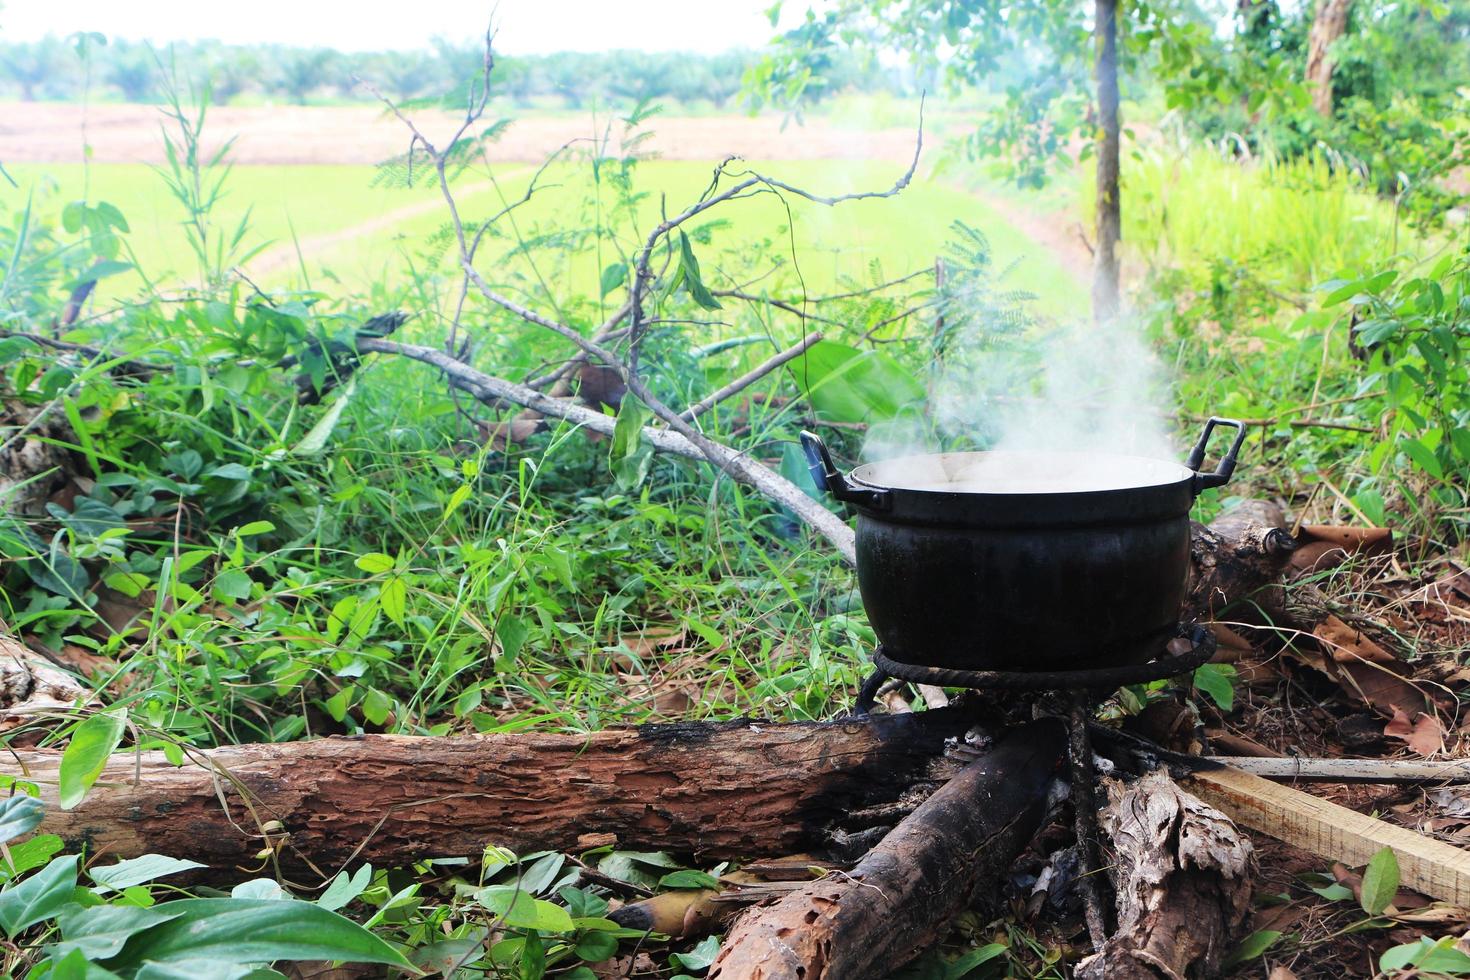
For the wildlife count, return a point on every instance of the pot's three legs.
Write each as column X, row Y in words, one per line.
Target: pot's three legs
column 1084, row 808
column 868, row 694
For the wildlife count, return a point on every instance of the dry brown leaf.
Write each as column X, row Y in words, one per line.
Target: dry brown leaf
column 600, row 386
column 1358, row 540
column 1318, row 556
column 1439, row 914
column 1383, row 688
column 645, row 643
column 1452, row 588
column 1280, row 972
column 1230, row 646
column 1424, row 735
column 84, row 661
column 1346, row 644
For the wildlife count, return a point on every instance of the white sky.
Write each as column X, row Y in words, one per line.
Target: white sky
column 526, row 26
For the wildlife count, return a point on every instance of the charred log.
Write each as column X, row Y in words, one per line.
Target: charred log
column 900, row 898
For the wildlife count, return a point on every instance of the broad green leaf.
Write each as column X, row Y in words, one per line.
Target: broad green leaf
column 344, row 888
column 582, row 903
column 596, row 946
column 265, row 888
column 1380, row 882
column 139, row 871
column 533, row 957
column 613, row 276
column 1423, row 457
column 376, row 706
column 850, row 385
column 457, row 499
column 393, row 597
column 204, row 969
column 92, row 744
column 101, row 932
column 233, row 583
column 701, row 956
column 633, row 866
column 511, row 632
column 19, row 815
column 1251, row 947
column 75, row 966
column 38, row 897
column 32, row 854
column 1215, row 680
column 448, row 955
column 629, row 458
column 518, row 909
column 541, row 875
column 248, row 930
column 254, row 528
column 374, row 563
column 1427, row 956
column 688, row 879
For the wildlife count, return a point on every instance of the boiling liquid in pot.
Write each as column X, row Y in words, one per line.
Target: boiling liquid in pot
column 1012, row 472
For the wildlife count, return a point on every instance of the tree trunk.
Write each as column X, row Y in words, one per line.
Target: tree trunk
column 717, row 790
column 1106, row 298
column 900, row 898
column 1329, row 25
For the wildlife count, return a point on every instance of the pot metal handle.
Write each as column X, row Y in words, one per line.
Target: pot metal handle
column 827, row 477
column 1226, row 467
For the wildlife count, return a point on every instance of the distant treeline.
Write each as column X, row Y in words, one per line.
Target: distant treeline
column 59, row 69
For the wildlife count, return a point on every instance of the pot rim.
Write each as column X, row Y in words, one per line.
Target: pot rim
column 1163, row 473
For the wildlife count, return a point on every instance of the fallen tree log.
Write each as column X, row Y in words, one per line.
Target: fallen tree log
column 32, row 688
column 1182, row 872
column 901, row 897
column 716, row 790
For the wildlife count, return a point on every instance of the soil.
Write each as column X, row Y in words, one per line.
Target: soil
column 48, row 132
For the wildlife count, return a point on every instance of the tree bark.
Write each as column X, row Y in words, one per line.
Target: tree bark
column 1106, row 298
column 1183, row 879
column 716, row 790
column 1240, row 552
column 900, row 898
column 1329, row 25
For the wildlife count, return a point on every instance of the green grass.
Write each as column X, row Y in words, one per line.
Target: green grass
column 1296, row 222
column 899, row 234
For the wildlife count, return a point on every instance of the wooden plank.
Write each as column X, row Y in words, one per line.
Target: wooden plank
column 1290, row 769
column 1426, row 865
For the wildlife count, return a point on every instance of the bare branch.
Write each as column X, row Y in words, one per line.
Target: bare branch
column 496, row 391
column 749, row 378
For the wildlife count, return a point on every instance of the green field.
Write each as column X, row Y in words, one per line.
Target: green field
column 362, row 235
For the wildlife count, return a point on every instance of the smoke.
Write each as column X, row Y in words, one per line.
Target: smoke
column 1077, row 387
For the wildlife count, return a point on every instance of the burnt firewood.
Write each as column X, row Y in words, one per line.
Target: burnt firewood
column 1183, row 879
column 864, row 923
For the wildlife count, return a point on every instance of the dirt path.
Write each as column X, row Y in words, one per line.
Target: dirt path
column 287, row 254
column 1059, row 235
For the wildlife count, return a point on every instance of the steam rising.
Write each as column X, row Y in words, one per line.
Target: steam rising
column 1077, row 388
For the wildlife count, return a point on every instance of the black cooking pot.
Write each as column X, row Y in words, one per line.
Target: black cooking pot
column 1023, row 561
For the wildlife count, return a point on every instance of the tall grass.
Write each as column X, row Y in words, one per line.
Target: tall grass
column 1294, row 223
